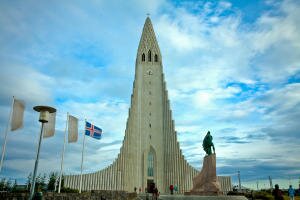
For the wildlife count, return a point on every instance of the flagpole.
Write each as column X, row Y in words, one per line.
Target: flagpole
column 62, row 154
column 83, row 144
column 6, row 132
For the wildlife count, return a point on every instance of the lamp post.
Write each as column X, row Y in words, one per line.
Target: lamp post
column 44, row 118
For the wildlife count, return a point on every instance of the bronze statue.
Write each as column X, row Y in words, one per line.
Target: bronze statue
column 207, row 144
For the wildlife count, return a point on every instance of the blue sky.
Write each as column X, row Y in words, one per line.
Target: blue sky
column 231, row 67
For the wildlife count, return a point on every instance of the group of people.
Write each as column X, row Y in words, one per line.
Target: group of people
column 277, row 193
column 173, row 188
column 152, row 189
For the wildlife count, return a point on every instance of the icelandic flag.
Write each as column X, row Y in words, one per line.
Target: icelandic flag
column 93, row 131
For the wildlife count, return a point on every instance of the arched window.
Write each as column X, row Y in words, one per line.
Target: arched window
column 149, row 56
column 143, row 57
column 156, row 58
column 150, row 164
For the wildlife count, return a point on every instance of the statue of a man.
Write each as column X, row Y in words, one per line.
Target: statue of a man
column 207, row 144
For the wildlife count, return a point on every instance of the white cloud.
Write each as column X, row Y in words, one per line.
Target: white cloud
column 26, row 83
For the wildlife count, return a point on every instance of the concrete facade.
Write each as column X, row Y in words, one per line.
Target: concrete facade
column 150, row 150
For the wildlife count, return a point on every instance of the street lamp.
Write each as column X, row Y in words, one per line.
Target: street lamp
column 44, row 118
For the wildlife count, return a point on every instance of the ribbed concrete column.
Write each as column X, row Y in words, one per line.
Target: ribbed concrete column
column 176, row 160
column 189, row 174
column 190, row 177
column 86, row 182
column 167, row 147
column 110, row 177
column 96, row 179
column 185, row 174
column 113, row 173
column 170, row 146
column 105, row 179
column 93, row 182
column 83, row 182
column 113, row 176
column 180, row 173
column 94, row 185
column 165, row 137
column 82, row 187
column 101, row 180
column 173, row 152
column 90, row 181
column 73, row 182
column 122, row 167
column 67, row 181
column 117, row 173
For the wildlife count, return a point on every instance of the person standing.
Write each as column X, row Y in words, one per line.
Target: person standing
column 277, row 193
column 175, row 188
column 291, row 192
column 155, row 193
column 171, row 188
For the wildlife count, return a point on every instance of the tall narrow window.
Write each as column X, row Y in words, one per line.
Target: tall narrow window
column 149, row 56
column 150, row 164
column 156, row 58
column 143, row 57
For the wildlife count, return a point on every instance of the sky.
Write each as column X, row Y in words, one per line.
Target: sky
column 231, row 67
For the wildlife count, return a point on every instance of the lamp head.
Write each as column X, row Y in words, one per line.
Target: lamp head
column 44, row 112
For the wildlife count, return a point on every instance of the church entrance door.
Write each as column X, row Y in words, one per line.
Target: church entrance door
column 150, row 185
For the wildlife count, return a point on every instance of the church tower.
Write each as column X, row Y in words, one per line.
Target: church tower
column 154, row 151
column 150, row 152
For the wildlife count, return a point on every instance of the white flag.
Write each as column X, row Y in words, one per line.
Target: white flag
column 72, row 129
column 50, row 126
column 17, row 115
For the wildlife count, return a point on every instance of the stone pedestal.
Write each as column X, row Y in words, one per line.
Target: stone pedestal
column 206, row 183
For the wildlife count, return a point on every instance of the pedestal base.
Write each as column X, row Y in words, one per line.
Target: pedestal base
column 206, row 183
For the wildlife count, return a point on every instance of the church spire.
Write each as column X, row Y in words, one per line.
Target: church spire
column 148, row 42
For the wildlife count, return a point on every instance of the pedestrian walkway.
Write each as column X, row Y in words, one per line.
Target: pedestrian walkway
column 191, row 197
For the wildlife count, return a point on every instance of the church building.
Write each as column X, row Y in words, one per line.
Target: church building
column 150, row 152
